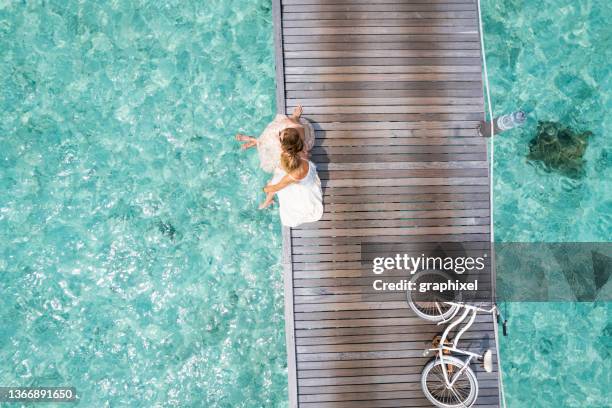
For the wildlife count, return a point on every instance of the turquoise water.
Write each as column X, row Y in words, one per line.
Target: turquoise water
column 551, row 58
column 133, row 262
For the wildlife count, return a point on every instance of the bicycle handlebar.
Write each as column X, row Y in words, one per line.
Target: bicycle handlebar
column 455, row 320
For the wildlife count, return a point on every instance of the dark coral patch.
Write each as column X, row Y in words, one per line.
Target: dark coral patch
column 167, row 229
column 559, row 148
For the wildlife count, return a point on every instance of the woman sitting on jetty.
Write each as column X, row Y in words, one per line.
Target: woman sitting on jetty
column 297, row 184
column 268, row 143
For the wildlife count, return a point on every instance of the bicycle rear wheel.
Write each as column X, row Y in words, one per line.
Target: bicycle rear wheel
column 462, row 394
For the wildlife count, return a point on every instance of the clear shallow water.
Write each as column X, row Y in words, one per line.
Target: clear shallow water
column 133, row 262
column 551, row 58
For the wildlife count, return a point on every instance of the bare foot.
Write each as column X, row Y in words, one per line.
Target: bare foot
column 243, row 138
column 297, row 112
column 248, row 145
column 266, row 203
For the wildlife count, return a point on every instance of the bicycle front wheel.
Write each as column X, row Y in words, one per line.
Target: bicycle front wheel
column 429, row 306
column 463, row 392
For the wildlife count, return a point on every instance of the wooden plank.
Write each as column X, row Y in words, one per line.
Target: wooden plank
column 385, row 223
column 424, row 335
column 331, row 400
column 448, row 186
column 362, row 315
column 323, row 9
column 411, row 22
column 410, row 243
column 403, row 149
column 331, row 273
column 340, row 159
column 332, row 269
column 353, row 316
column 360, row 331
column 362, row 232
column 348, row 298
column 405, row 141
column 323, row 2
column 380, row 85
column 382, row 222
column 390, row 130
column 377, row 117
column 328, row 284
column 387, row 403
column 417, row 205
column 365, row 38
column 350, row 248
column 423, row 126
column 364, row 274
column 375, row 379
column 369, row 395
column 457, row 210
column 402, row 182
column 404, row 166
column 370, row 388
column 353, row 356
column 408, row 157
column 348, row 53
column 379, row 69
column 372, row 379
column 378, row 15
column 386, row 296
column 369, row 100
column 378, row 379
column 395, row 96
column 380, row 203
column 307, row 307
column 394, row 109
column 392, row 216
column 339, row 46
column 394, row 366
column 353, row 372
column 422, row 76
column 464, row 237
column 309, row 286
column 408, row 61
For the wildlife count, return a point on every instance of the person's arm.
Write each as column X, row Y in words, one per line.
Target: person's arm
column 273, row 188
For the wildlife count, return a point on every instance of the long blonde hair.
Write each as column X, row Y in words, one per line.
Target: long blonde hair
column 291, row 145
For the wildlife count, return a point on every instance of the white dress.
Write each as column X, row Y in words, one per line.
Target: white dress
column 302, row 201
column 268, row 144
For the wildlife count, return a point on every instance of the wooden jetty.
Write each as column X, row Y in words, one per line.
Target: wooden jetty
column 394, row 90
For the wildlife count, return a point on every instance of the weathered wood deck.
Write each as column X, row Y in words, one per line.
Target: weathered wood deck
column 394, row 90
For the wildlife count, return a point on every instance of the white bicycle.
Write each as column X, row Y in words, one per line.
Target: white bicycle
column 448, row 380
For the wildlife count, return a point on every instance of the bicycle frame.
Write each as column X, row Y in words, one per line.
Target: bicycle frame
column 469, row 312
